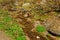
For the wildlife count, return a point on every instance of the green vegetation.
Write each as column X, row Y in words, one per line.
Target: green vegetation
column 27, row 12
column 10, row 27
column 7, row 19
column 40, row 28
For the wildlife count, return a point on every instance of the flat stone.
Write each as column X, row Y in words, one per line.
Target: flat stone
column 54, row 25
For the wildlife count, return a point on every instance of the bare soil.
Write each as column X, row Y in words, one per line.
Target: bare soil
column 3, row 36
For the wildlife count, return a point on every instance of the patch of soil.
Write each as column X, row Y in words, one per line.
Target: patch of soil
column 3, row 36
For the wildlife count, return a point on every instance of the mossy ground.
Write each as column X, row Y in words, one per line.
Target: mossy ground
column 10, row 26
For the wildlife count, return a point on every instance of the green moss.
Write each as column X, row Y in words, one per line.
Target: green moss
column 21, row 38
column 11, row 27
column 40, row 28
column 7, row 19
column 15, row 31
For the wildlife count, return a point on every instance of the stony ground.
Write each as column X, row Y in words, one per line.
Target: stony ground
column 34, row 13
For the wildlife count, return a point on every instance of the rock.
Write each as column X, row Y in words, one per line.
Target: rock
column 26, row 15
column 56, row 27
column 53, row 25
column 26, row 6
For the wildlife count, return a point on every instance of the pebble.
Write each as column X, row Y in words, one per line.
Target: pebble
column 37, row 37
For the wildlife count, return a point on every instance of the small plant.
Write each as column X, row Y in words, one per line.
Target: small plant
column 40, row 28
